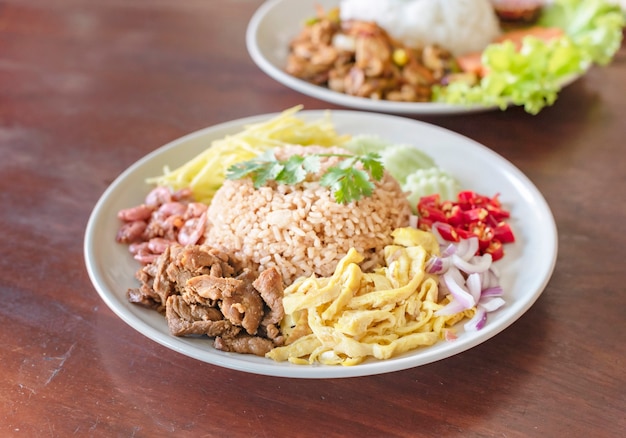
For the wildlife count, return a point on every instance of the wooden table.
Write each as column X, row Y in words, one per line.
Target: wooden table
column 88, row 87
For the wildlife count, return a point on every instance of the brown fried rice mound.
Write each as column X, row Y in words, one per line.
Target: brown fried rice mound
column 301, row 230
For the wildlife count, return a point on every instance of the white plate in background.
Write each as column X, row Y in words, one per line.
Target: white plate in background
column 277, row 22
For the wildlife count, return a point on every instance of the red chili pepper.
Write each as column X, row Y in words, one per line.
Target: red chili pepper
column 463, row 233
column 455, row 216
column 467, row 197
column 431, row 200
column 433, row 214
column 503, row 233
column 448, row 232
column 475, row 214
column 496, row 249
column 471, row 215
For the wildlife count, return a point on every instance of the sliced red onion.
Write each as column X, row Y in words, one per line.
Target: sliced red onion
column 478, row 320
column 456, row 274
column 449, row 250
column 472, row 250
column 466, row 248
column 434, row 265
column 475, row 264
column 473, row 285
column 490, row 279
column 413, row 221
column 452, row 308
column 472, row 280
column 493, row 291
column 461, row 247
column 437, row 265
column 491, row 303
column 435, row 230
column 458, row 291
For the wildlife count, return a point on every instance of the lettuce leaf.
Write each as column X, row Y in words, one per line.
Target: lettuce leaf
column 595, row 26
column 533, row 76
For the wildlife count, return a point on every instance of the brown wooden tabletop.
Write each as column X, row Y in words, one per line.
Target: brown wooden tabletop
column 87, row 87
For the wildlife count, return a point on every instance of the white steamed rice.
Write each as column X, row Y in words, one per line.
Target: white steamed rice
column 461, row 26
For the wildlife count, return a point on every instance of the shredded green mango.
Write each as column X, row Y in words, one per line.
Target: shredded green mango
column 205, row 173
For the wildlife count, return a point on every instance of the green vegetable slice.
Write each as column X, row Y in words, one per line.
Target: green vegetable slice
column 533, row 76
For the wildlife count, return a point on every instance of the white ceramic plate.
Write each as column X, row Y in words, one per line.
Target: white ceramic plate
column 526, row 268
column 277, row 22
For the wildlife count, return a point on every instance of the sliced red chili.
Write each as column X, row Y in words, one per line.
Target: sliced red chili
column 424, row 224
column 463, row 233
column 467, row 197
column 433, row 214
column 496, row 250
column 448, row 232
column 455, row 216
column 430, row 200
column 471, row 215
column 475, row 214
column 504, row 233
column 497, row 212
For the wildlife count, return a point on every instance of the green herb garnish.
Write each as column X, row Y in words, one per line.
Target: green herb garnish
column 346, row 182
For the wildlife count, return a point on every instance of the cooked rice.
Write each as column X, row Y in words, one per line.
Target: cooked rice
column 301, row 229
column 460, row 26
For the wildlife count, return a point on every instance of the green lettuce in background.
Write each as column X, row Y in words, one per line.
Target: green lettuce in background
column 533, row 76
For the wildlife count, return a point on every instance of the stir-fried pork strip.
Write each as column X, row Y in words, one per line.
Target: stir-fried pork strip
column 361, row 59
column 203, row 291
column 195, row 319
column 244, row 344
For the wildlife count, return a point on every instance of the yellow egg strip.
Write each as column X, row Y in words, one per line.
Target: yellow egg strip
column 353, row 315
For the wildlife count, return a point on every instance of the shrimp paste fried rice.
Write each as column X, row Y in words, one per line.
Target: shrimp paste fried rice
column 300, row 229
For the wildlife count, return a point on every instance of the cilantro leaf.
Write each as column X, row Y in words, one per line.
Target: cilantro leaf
column 346, row 182
column 268, row 172
column 312, row 163
column 297, row 167
column 261, row 169
column 347, row 185
column 243, row 169
column 373, row 164
column 332, row 179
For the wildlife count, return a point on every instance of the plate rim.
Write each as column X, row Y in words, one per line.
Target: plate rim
column 266, row 366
